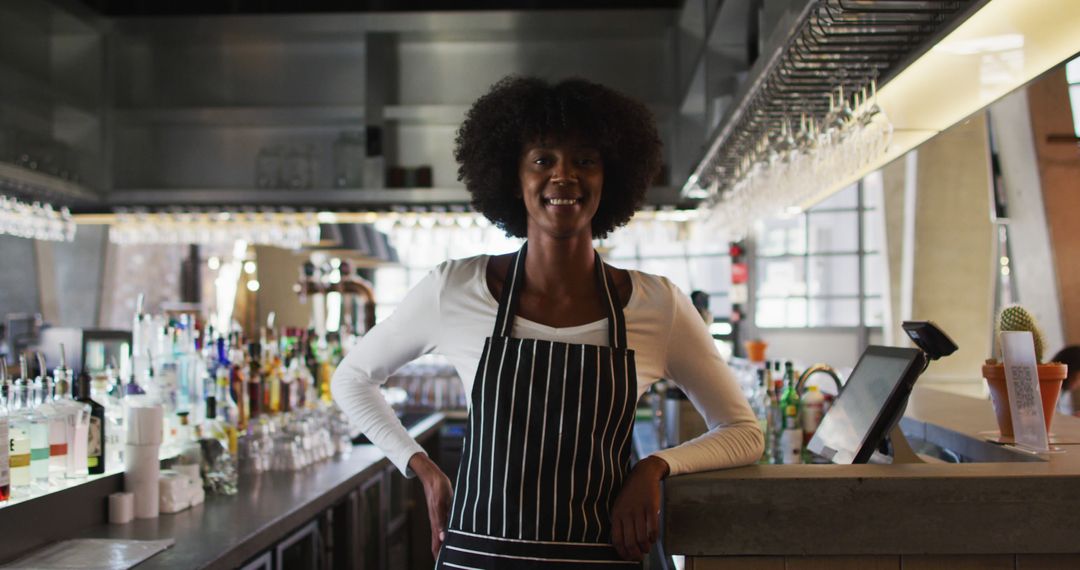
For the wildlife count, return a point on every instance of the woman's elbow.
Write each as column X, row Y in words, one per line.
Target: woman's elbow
column 339, row 384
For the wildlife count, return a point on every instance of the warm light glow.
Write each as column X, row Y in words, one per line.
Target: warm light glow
column 253, row 285
column 214, row 263
column 1000, row 48
column 980, row 45
column 249, row 267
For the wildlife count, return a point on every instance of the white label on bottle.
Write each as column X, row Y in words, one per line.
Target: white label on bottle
column 5, row 450
column 93, row 445
column 1022, row 383
column 791, row 446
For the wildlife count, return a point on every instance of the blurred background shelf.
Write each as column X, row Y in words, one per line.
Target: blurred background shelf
column 31, row 184
column 337, row 117
column 313, row 198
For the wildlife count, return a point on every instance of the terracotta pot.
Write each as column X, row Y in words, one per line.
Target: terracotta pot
column 755, row 350
column 1051, row 377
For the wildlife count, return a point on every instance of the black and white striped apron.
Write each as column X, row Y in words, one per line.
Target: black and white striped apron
column 547, row 447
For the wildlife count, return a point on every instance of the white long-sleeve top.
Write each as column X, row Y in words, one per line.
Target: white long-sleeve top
column 451, row 311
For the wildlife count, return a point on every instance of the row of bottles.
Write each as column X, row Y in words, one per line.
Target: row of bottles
column 787, row 418
column 51, row 436
column 209, row 384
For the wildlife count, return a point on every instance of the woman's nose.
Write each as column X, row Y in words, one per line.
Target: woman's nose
column 563, row 171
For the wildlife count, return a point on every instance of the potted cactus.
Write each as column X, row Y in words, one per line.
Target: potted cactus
column 1051, row 375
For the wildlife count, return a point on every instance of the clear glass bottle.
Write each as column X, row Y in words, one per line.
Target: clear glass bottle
column 58, row 443
column 5, row 442
column 18, row 444
column 76, row 423
column 29, row 445
column 38, row 428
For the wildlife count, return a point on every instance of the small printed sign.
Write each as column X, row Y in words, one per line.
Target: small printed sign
column 1022, row 382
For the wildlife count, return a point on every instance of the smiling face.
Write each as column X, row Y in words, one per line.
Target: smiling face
column 561, row 181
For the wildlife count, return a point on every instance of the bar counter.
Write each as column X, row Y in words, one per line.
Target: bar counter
column 1001, row 514
column 227, row 531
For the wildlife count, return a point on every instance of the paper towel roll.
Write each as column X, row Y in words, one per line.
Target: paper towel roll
column 144, row 423
column 121, row 508
column 141, row 473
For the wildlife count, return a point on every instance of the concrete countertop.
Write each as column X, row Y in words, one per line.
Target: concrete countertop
column 226, row 531
column 931, row 508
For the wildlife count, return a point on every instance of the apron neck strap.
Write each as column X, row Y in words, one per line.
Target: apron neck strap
column 515, row 279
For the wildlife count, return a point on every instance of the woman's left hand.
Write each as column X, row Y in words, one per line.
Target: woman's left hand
column 635, row 517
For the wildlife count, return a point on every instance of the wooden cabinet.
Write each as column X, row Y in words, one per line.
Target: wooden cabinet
column 264, row 561
column 301, row 550
column 372, row 524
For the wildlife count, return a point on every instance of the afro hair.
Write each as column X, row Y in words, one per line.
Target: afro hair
column 520, row 110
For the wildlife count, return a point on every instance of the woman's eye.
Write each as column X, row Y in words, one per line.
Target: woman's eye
column 542, row 161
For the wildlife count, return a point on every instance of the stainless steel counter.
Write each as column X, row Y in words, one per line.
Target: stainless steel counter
column 914, row 509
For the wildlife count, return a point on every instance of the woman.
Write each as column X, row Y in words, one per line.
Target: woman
column 554, row 347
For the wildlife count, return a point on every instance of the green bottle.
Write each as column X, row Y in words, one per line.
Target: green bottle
column 791, row 435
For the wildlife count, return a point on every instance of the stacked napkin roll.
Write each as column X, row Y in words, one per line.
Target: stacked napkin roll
column 142, row 467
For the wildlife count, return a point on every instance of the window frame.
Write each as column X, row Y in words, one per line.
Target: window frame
column 860, row 253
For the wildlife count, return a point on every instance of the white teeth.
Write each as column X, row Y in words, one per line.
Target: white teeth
column 562, row 201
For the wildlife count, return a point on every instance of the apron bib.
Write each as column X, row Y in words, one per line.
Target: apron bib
column 547, row 446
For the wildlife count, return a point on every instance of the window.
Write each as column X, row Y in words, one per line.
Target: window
column 823, row 268
column 667, row 248
column 670, row 249
column 1072, row 74
column 421, row 247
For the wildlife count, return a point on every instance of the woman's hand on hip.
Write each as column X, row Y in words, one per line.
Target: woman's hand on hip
column 439, row 493
column 635, row 517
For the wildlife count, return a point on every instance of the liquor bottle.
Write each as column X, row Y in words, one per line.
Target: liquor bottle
column 762, row 408
column 132, row 388
column 38, row 429
column 238, row 374
column 772, row 396
column 791, row 438
column 57, row 421
column 95, row 436
column 213, row 427
column 228, row 414
column 18, row 444
column 5, row 443
column 142, row 336
column 115, row 435
column 254, row 387
column 73, row 415
column 307, row 392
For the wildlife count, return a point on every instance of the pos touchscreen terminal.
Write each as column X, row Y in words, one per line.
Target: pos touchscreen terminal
column 873, row 399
